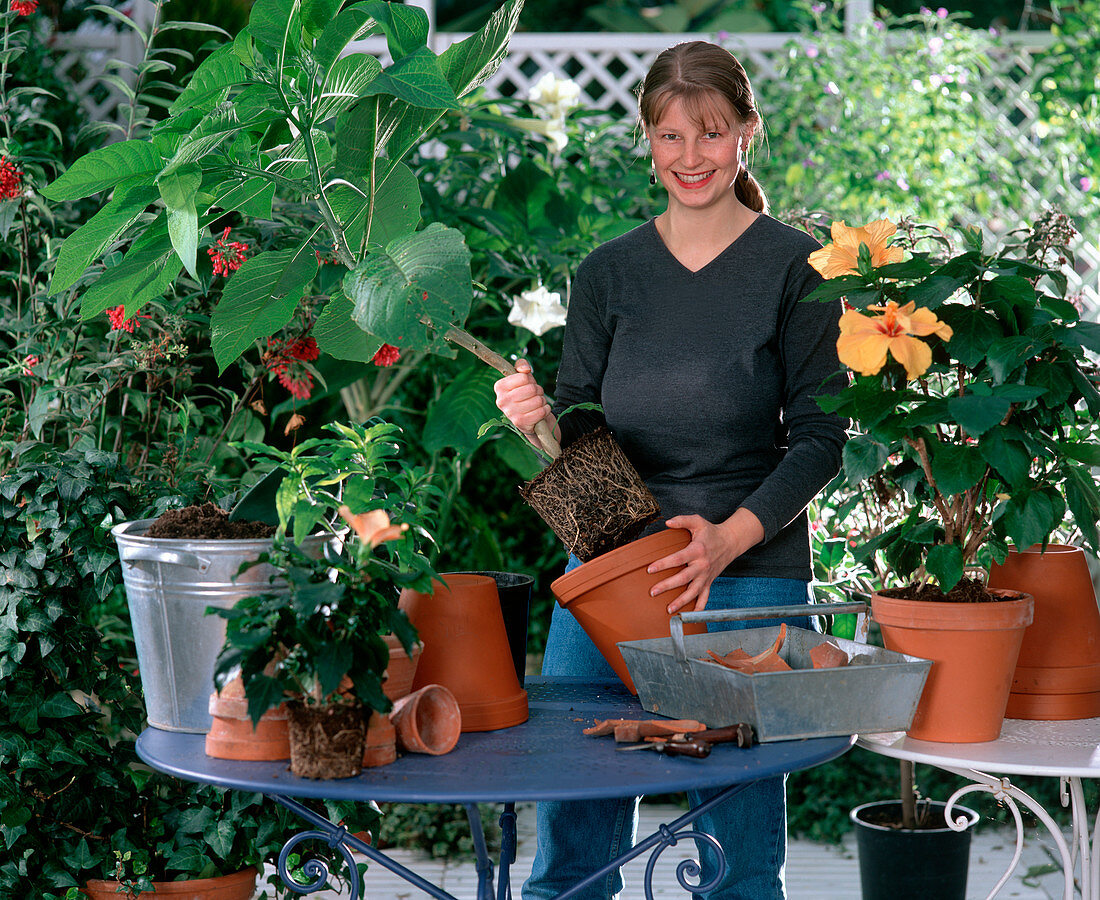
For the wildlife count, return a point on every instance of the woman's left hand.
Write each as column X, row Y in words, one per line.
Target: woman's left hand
column 712, row 548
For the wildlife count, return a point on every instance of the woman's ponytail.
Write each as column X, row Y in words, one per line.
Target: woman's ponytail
column 750, row 193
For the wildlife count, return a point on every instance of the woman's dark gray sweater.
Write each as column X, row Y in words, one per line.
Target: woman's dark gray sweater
column 708, row 379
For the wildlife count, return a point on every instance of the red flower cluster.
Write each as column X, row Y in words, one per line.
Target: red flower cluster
column 11, row 180
column 117, row 317
column 24, row 7
column 387, row 355
column 227, row 256
column 285, row 360
column 29, row 363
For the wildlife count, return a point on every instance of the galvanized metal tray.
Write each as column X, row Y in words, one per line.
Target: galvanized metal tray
column 877, row 691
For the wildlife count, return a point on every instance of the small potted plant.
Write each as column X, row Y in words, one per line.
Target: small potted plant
column 974, row 406
column 321, row 645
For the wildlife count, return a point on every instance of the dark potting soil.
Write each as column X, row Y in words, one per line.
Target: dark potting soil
column 968, row 590
column 591, row 496
column 206, row 521
column 929, row 818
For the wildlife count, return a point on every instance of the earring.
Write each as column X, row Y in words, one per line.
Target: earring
column 652, row 175
column 745, row 175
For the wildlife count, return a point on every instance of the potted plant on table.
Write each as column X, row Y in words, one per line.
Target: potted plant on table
column 974, row 407
column 322, row 645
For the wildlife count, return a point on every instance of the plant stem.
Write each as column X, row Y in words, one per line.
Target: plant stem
column 908, row 794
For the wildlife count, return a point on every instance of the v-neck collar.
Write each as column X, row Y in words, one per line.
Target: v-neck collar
column 721, row 253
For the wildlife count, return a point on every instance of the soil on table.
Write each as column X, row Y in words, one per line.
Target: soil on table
column 206, row 521
column 968, row 590
column 592, row 497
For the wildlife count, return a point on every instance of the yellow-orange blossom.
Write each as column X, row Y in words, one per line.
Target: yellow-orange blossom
column 841, row 256
column 865, row 340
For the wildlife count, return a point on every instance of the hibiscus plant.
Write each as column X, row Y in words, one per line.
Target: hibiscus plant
column 288, row 127
column 973, row 398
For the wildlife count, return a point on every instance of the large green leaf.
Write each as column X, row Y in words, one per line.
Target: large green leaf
column 104, row 168
column 338, row 335
column 973, row 332
column 1083, row 500
column 276, row 24
column 1087, row 335
column 316, row 14
column 945, row 563
column 863, row 457
column 977, row 414
column 414, row 291
column 956, row 468
column 406, row 27
column 259, row 300
column 146, row 271
column 220, row 124
column 89, row 242
column 178, row 190
column 1009, row 458
column 357, row 138
column 416, row 79
column 934, row 290
column 350, row 24
column 1030, row 517
column 396, row 208
column 251, row 197
column 211, row 81
column 345, row 84
column 454, row 419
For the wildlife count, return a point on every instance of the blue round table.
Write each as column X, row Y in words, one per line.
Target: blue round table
column 546, row 758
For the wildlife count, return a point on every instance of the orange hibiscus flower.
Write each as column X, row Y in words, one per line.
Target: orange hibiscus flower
column 841, row 256
column 865, row 341
column 373, row 527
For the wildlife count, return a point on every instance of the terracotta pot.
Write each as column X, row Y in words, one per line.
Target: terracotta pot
column 609, row 596
column 232, row 735
column 973, row 648
column 427, row 721
column 466, row 650
column 326, row 741
column 401, row 669
column 1058, row 672
column 238, row 886
column 514, row 590
column 380, row 748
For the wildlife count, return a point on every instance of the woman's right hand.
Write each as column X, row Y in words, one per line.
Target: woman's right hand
column 521, row 399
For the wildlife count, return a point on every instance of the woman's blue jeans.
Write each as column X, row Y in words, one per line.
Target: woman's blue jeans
column 574, row 838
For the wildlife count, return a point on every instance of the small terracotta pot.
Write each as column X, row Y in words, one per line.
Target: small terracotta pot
column 609, row 596
column 466, row 650
column 237, row 886
column 401, row 669
column 973, row 648
column 380, row 748
column 1058, row 673
column 232, row 735
column 427, row 721
column 326, row 741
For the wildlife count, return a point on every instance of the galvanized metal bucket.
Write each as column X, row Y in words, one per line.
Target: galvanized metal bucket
column 877, row 691
column 169, row 584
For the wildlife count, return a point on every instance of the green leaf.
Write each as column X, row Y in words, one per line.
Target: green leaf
column 275, row 24
column 956, row 469
column 1086, row 334
column 251, row 197
column 211, row 81
column 1013, row 289
column 104, row 168
column 518, row 455
column 417, row 80
column 1082, row 452
column 146, row 271
column 178, row 190
column 863, row 457
column 338, row 335
column 425, row 275
column 395, row 212
column 454, row 419
column 945, row 563
column 59, row 706
column 91, row 239
column 974, row 330
column 977, row 414
column 263, row 693
column 346, row 83
column 351, row 24
column 1030, row 517
column 357, row 139
column 1009, row 458
column 405, row 27
column 1083, row 499
column 316, row 14
column 934, row 290
column 259, row 300
column 1007, row 354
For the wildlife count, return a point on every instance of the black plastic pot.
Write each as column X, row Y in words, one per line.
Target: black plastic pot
column 917, row 864
column 514, row 589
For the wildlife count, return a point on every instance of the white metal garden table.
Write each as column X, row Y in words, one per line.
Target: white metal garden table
column 1069, row 751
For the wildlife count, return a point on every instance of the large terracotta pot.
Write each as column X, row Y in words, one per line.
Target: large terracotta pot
column 973, row 648
column 1058, row 672
column 609, row 596
column 466, row 650
column 238, row 886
